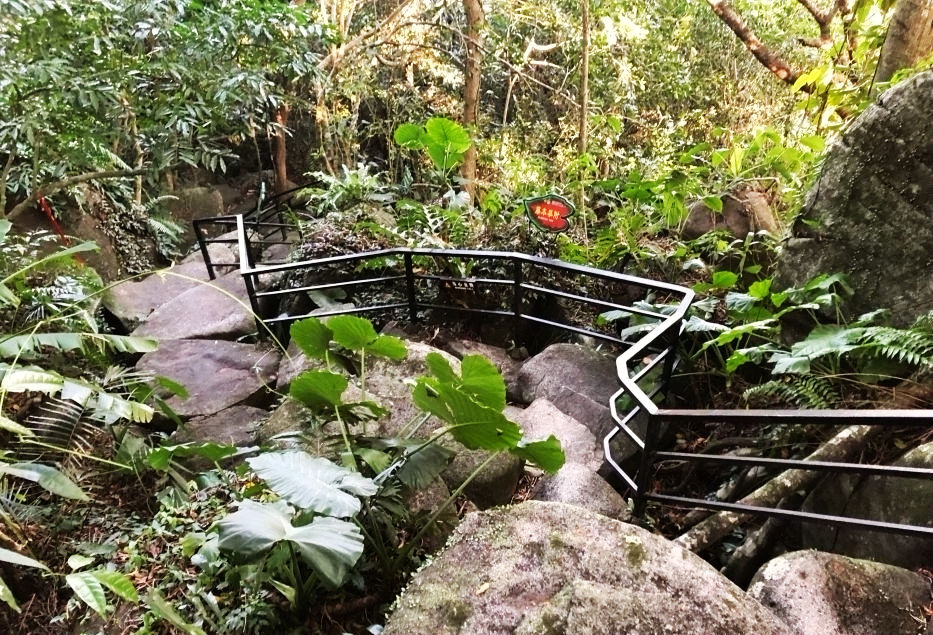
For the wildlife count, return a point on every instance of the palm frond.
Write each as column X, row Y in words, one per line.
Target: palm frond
column 24, row 346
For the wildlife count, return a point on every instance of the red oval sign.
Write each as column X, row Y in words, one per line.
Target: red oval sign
column 550, row 213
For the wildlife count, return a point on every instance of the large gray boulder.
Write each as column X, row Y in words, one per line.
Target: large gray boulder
column 542, row 419
column 891, row 499
column 578, row 380
column 217, row 374
column 558, row 569
column 209, row 310
column 820, row 593
column 577, row 485
column 870, row 213
column 235, row 426
column 192, row 203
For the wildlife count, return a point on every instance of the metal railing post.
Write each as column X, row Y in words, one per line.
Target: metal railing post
column 205, row 254
column 410, row 288
column 643, row 477
column 246, row 266
column 517, row 282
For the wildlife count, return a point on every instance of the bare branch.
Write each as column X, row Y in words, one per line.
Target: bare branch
column 771, row 60
column 55, row 186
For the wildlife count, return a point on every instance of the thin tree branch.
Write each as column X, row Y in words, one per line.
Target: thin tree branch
column 55, row 186
column 771, row 60
column 332, row 61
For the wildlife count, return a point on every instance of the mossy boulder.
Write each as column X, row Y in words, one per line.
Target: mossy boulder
column 823, row 593
column 559, row 569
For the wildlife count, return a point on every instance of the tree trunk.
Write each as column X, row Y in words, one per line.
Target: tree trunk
column 472, row 80
column 845, row 444
column 280, row 150
column 909, row 38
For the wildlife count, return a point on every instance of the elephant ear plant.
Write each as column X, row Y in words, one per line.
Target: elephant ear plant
column 315, row 518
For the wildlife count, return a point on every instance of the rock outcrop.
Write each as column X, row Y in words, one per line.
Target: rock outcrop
column 870, row 213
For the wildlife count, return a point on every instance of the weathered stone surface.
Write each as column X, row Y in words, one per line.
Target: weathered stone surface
column 216, row 373
column 192, row 203
column 542, row 418
column 428, row 500
column 558, row 569
column 824, row 594
column 210, row 310
column 869, row 213
column 744, row 211
column 578, row 380
column 294, row 362
column 390, row 384
column 578, row 485
column 496, row 482
column 132, row 301
column 897, row 500
column 236, row 426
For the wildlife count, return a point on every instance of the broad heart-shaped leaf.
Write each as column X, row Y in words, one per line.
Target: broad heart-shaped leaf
column 311, row 336
column 89, row 589
column 546, row 454
column 828, row 339
column 789, row 364
column 352, row 332
column 408, row 135
column 48, row 477
column 319, row 389
column 483, row 381
column 440, row 367
column 474, row 425
column 313, row 483
column 443, row 158
column 330, row 546
column 388, row 346
column 446, row 134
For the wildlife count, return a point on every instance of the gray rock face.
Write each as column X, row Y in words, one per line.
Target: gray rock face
column 131, row 302
column 236, row 426
column 214, row 310
column 494, row 485
column 216, row 373
column 897, row 500
column 542, row 418
column 577, row 380
column 824, row 594
column 556, row 569
column 869, row 214
column 192, row 203
column 577, row 485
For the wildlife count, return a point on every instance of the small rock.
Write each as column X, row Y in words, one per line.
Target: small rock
column 576, row 484
column 542, row 419
column 494, row 485
column 234, row 426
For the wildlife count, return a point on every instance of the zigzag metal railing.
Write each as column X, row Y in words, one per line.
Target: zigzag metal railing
column 650, row 358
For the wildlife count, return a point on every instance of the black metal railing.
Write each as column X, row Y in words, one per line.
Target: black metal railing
column 409, row 283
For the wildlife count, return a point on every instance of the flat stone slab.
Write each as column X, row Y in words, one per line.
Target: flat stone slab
column 214, row 310
column 820, row 593
column 132, row 301
column 234, row 426
column 217, row 374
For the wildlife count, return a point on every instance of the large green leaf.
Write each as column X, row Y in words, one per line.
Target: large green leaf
column 89, row 589
column 352, row 332
column 481, row 379
column 161, row 457
column 330, row 546
column 48, row 477
column 387, row 346
column 6, row 594
column 313, row 483
column 312, row 336
column 164, row 610
column 24, row 345
column 13, row 557
column 319, row 389
column 23, row 379
column 446, row 134
column 474, row 425
column 546, row 454
column 828, row 339
column 119, row 583
column 408, row 135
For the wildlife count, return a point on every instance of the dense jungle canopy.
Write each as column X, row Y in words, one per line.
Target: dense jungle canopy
column 688, row 134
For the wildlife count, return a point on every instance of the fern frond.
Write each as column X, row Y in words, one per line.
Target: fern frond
column 803, row 391
column 908, row 346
